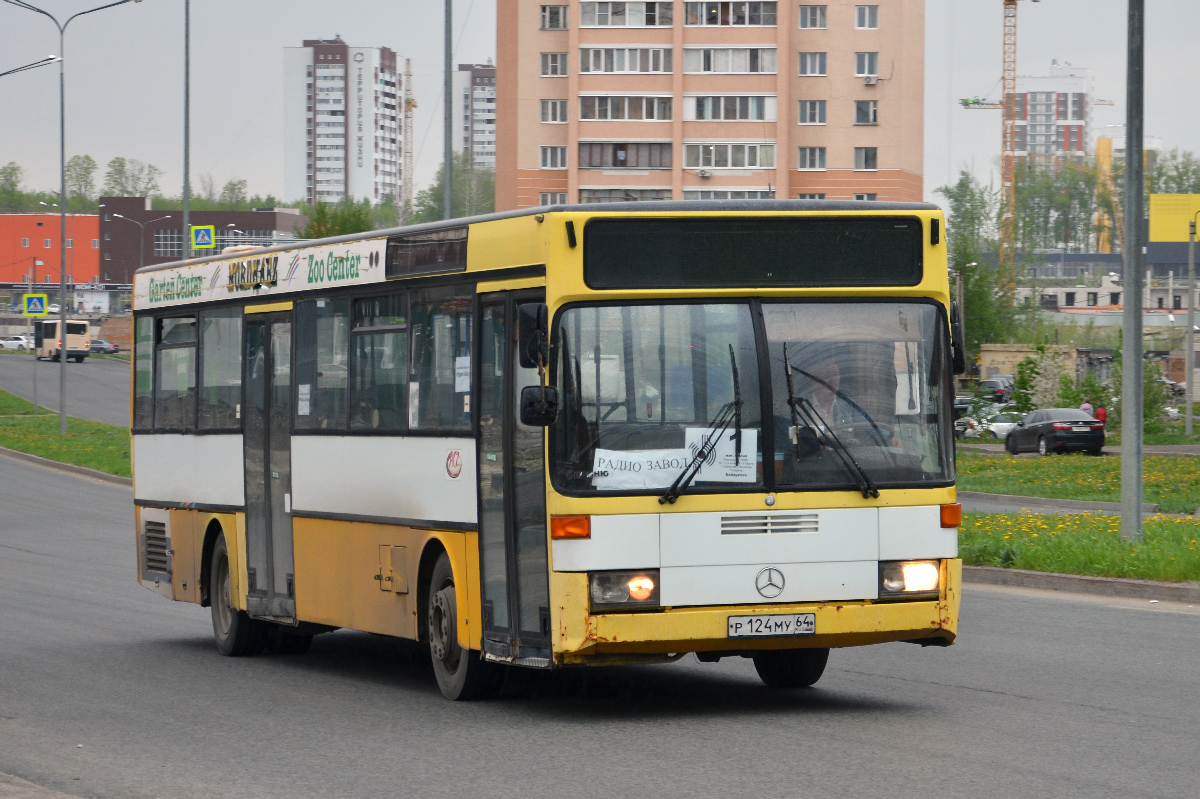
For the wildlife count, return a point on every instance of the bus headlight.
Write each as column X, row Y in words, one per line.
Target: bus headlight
column 909, row 579
column 626, row 590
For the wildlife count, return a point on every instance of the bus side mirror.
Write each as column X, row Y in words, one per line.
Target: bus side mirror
column 539, row 406
column 958, row 347
column 533, row 334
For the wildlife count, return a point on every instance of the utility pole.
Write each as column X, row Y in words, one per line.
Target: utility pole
column 448, row 144
column 1190, row 355
column 1131, row 346
column 187, row 127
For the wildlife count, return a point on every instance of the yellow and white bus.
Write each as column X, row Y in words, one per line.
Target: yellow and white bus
column 566, row 436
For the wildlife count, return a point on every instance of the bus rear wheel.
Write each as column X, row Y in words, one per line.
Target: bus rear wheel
column 791, row 668
column 235, row 632
column 462, row 674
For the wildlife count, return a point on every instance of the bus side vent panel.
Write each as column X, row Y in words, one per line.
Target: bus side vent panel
column 154, row 545
column 775, row 523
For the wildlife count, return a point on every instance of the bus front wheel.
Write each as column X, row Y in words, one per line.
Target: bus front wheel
column 791, row 668
column 235, row 632
column 461, row 673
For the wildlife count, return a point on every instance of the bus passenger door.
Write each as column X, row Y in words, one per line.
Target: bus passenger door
column 268, row 463
column 512, row 497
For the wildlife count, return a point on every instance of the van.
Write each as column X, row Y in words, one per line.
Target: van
column 48, row 344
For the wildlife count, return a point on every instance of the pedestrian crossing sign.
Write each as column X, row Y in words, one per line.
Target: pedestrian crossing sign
column 34, row 304
column 204, row 237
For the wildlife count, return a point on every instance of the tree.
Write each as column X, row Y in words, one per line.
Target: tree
column 1154, row 398
column 10, row 178
column 233, row 194
column 129, row 177
column 1175, row 173
column 474, row 192
column 207, row 188
column 1023, row 384
column 347, row 216
column 81, row 177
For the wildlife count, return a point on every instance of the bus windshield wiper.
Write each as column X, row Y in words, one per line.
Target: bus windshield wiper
column 861, row 478
column 730, row 413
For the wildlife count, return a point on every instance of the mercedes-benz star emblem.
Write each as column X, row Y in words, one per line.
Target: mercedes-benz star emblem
column 769, row 582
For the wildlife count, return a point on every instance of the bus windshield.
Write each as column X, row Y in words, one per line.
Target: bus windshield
column 643, row 387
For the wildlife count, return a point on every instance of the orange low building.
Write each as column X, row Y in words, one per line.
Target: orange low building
column 30, row 242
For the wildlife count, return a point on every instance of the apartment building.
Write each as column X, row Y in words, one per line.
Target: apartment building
column 474, row 87
column 612, row 101
column 343, row 122
column 1055, row 112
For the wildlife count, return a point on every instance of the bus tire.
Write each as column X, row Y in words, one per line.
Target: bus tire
column 462, row 675
column 791, row 668
column 235, row 632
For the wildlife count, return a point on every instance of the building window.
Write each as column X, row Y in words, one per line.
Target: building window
column 812, row 112
column 624, row 59
column 1160, row 303
column 1077, row 106
column 625, row 15
column 107, row 236
column 552, row 198
column 866, row 17
column 1114, row 298
column 729, row 156
column 729, row 13
column 636, row 108
column 168, row 243
column 108, row 256
column 1093, row 299
column 1177, row 302
column 635, row 155
column 866, row 158
column 554, row 18
column 866, row 64
column 731, row 107
column 70, row 244
column 554, row 157
column 95, row 244
column 47, row 243
column 810, row 196
column 622, row 195
column 1069, row 299
column 24, row 242
column 729, row 194
column 729, row 60
column 812, row 64
column 812, row 16
column 811, row 158
column 554, row 110
column 554, row 65
column 866, row 112
column 867, row 197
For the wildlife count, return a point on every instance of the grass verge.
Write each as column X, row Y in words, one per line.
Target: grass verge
column 1174, row 483
column 12, row 405
column 99, row 446
column 1082, row 543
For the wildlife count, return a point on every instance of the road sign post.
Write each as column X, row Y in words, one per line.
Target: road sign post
column 34, row 305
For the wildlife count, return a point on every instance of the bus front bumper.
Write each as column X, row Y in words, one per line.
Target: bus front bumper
column 582, row 638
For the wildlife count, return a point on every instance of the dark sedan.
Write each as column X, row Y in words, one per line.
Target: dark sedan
column 992, row 390
column 103, row 347
column 1056, row 430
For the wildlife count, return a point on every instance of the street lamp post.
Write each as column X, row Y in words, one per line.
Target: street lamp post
column 142, row 235
column 62, row 169
column 1190, row 355
column 50, row 59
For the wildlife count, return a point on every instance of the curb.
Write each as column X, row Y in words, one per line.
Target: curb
column 82, row 471
column 1070, row 504
column 1080, row 584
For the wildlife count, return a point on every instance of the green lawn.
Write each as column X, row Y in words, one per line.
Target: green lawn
column 1082, row 543
column 92, row 444
column 1174, row 483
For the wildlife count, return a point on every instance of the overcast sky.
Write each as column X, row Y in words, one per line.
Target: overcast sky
column 125, row 77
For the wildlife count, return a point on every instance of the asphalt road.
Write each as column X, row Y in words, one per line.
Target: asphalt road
column 107, row 690
column 97, row 389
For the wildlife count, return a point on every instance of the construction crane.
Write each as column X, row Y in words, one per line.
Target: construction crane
column 1008, row 152
column 409, row 105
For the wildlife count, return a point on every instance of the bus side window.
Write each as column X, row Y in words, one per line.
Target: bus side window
column 174, row 398
column 220, row 369
column 379, row 382
column 440, row 384
column 143, row 370
column 322, row 363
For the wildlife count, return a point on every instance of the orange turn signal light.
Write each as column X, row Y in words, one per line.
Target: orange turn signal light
column 570, row 526
column 952, row 515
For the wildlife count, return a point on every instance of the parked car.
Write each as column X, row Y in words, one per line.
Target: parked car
column 16, row 343
column 1056, row 430
column 997, row 428
column 53, row 309
column 962, row 405
column 104, row 347
column 993, row 390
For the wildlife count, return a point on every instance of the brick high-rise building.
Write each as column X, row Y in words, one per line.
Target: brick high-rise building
column 603, row 101
column 343, row 122
column 475, row 113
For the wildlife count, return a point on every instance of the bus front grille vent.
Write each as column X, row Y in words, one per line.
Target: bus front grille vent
column 776, row 523
column 154, row 544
